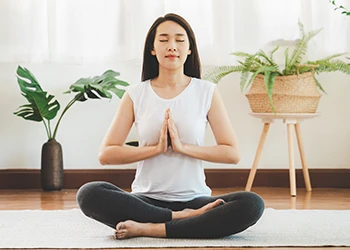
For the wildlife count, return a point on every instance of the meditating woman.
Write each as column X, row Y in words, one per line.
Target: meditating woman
column 171, row 108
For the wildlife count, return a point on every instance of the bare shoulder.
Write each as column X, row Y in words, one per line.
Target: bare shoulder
column 121, row 123
column 219, row 121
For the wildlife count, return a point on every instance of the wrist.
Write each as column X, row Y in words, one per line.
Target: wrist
column 184, row 149
column 157, row 150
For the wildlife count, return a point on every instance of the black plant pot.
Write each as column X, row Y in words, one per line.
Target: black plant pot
column 52, row 177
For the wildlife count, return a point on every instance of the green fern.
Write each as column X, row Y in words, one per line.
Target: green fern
column 216, row 74
column 251, row 65
column 268, row 60
column 299, row 51
column 286, row 58
column 273, row 52
column 263, row 70
column 269, row 80
column 332, row 66
column 319, row 85
column 244, row 79
column 333, row 56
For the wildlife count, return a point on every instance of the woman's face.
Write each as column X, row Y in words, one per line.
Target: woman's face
column 171, row 45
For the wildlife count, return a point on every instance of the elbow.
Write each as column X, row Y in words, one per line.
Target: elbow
column 110, row 156
column 236, row 159
column 102, row 158
column 235, row 156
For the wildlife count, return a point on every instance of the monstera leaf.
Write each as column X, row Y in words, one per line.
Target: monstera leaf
column 98, row 87
column 27, row 82
column 43, row 107
column 40, row 107
column 41, row 104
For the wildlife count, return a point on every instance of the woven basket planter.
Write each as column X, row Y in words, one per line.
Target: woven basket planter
column 291, row 94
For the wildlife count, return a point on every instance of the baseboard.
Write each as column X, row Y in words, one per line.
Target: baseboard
column 216, row 178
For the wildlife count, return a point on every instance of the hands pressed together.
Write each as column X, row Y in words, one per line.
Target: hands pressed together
column 169, row 135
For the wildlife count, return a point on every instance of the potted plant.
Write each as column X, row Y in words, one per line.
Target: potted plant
column 341, row 8
column 293, row 89
column 42, row 107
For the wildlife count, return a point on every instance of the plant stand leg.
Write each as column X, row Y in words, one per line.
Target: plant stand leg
column 302, row 157
column 293, row 202
column 292, row 181
column 257, row 157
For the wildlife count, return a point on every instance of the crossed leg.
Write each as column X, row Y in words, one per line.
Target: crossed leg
column 129, row 228
column 204, row 217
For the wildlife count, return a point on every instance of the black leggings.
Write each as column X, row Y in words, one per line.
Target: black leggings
column 110, row 205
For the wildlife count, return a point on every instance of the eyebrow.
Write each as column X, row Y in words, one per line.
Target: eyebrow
column 178, row 34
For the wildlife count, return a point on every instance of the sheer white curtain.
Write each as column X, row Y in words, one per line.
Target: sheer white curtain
column 94, row 31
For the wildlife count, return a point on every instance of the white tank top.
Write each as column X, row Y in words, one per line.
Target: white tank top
column 171, row 176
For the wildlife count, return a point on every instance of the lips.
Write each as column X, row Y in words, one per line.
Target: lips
column 171, row 56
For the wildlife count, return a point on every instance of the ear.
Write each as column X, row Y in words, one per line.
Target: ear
column 153, row 52
column 189, row 52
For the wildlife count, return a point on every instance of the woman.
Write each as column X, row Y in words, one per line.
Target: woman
column 170, row 108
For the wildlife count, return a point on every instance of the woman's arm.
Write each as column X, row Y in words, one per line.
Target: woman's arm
column 226, row 150
column 113, row 151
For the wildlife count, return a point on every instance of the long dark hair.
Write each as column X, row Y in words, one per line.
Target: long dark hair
column 150, row 66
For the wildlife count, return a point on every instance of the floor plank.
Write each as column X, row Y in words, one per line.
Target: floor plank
column 277, row 198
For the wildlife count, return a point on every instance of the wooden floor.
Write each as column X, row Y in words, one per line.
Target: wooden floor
column 277, row 198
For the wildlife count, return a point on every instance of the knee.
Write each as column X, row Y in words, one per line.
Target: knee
column 87, row 195
column 255, row 205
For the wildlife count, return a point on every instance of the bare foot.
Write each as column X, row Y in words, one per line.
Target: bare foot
column 129, row 229
column 186, row 213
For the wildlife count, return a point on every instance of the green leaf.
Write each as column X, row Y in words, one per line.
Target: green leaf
column 118, row 92
column 242, row 54
column 41, row 106
column 263, row 70
column 333, row 56
column 319, row 85
column 286, row 60
column 272, row 52
column 263, row 55
column 27, row 82
column 300, row 50
column 216, row 74
column 244, row 79
column 269, row 80
column 332, row 66
column 98, row 87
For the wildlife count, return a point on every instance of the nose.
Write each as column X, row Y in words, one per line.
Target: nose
column 172, row 47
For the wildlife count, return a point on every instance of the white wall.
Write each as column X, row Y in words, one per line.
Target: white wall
column 326, row 138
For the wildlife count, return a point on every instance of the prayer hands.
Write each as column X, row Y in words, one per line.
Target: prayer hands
column 176, row 144
column 169, row 135
column 163, row 138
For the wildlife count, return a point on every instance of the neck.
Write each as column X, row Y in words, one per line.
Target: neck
column 171, row 79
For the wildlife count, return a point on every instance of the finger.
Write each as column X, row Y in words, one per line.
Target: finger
column 167, row 113
column 171, row 126
column 221, row 201
column 165, row 126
